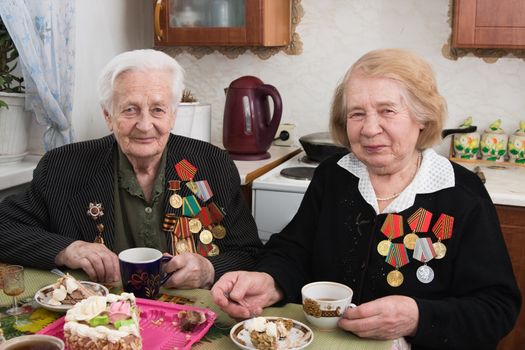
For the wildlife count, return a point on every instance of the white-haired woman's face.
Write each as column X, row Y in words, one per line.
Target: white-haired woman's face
column 142, row 115
column 381, row 130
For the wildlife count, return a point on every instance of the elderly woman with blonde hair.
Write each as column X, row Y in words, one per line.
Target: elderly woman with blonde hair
column 414, row 235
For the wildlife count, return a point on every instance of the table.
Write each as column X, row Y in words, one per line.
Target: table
column 216, row 338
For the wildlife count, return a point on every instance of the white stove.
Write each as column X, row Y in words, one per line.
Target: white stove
column 276, row 198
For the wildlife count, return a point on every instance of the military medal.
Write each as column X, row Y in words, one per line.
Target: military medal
column 440, row 249
column 95, row 211
column 195, row 225
column 395, row 278
column 397, row 257
column 419, row 221
column 424, row 252
column 182, row 246
column 392, row 228
column 218, row 231
column 99, row 238
column 175, row 199
column 410, row 240
column 214, row 250
column 205, row 237
column 443, row 230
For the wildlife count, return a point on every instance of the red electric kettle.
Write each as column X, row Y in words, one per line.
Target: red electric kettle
column 248, row 128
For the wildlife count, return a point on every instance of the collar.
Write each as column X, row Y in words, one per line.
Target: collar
column 434, row 174
column 128, row 179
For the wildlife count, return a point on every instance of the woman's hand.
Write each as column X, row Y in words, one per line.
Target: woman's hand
column 390, row 317
column 100, row 263
column 191, row 271
column 243, row 294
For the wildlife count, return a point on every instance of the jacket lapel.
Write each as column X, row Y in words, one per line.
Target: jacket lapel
column 98, row 189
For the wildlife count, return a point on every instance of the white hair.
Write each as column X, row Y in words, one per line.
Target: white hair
column 139, row 60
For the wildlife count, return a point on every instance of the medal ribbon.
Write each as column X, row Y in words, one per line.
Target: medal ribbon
column 182, row 230
column 205, row 217
column 393, row 226
column 424, row 250
column 397, row 255
column 190, row 206
column 185, row 170
column 217, row 213
column 443, row 227
column 170, row 220
column 420, row 220
column 204, row 191
column 174, row 185
column 203, row 249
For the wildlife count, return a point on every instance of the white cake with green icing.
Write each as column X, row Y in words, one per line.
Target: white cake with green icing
column 104, row 322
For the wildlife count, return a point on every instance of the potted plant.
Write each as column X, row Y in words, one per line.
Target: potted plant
column 14, row 120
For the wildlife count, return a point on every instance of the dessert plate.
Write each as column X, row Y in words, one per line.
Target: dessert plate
column 43, row 295
column 300, row 336
column 159, row 326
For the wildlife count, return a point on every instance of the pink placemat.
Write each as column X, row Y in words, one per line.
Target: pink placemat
column 157, row 327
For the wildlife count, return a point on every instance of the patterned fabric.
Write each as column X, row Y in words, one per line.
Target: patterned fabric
column 434, row 174
column 43, row 32
column 37, row 224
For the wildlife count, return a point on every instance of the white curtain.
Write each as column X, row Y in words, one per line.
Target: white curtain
column 43, row 33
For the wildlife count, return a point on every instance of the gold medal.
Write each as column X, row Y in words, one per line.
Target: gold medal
column 410, row 240
column 176, row 201
column 195, row 225
column 440, row 249
column 205, row 237
column 218, row 231
column 214, row 250
column 182, row 246
column 395, row 278
column 383, row 247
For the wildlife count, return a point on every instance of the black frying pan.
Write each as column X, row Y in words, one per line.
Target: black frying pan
column 319, row 146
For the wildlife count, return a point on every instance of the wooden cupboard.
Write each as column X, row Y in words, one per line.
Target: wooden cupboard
column 222, row 22
column 512, row 220
column 489, row 24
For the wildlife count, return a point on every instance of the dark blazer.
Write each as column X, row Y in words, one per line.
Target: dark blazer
column 37, row 224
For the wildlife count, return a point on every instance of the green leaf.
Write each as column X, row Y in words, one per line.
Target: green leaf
column 520, row 161
column 501, row 152
column 513, row 151
column 485, row 149
column 459, row 147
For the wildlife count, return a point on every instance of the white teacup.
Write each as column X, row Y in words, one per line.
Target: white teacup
column 325, row 302
column 33, row 341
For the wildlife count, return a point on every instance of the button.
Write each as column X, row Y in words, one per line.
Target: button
column 148, row 210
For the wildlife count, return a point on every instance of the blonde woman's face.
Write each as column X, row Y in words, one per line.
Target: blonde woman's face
column 143, row 114
column 380, row 128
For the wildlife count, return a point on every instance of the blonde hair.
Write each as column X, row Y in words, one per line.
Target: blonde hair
column 417, row 80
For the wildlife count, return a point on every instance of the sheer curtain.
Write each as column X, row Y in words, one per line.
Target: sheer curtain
column 43, row 32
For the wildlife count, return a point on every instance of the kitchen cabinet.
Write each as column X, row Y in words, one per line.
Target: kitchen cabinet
column 512, row 220
column 489, row 24
column 222, row 22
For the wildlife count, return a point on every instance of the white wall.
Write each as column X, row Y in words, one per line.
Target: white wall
column 334, row 34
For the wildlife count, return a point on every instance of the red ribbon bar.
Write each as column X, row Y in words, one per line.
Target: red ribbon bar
column 217, row 213
column 397, row 255
column 443, row 227
column 205, row 217
column 204, row 249
column 174, row 185
column 420, row 220
column 182, row 230
column 393, row 226
column 185, row 170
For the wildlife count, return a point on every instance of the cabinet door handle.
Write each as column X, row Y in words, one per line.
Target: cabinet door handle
column 158, row 31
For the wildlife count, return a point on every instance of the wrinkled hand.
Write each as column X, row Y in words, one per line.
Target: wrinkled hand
column 390, row 317
column 243, row 294
column 100, row 263
column 191, row 271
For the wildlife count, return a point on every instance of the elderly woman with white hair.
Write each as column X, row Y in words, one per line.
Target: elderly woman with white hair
column 141, row 186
